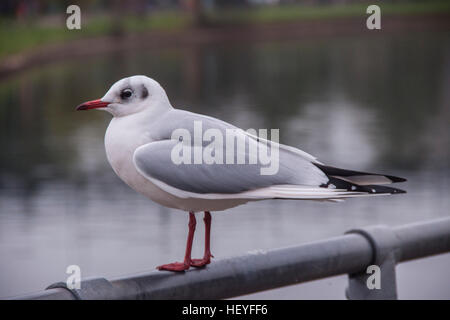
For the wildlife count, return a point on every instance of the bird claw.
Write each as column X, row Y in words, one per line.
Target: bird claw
column 200, row 263
column 176, row 267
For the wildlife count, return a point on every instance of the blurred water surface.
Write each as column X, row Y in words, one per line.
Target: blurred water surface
column 378, row 103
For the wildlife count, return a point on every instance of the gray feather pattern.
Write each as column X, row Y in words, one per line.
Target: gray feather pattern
column 154, row 160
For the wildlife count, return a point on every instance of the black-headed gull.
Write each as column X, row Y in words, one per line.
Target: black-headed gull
column 141, row 145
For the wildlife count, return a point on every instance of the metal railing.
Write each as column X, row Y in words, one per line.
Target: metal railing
column 348, row 254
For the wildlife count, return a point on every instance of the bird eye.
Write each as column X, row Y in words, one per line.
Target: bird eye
column 126, row 93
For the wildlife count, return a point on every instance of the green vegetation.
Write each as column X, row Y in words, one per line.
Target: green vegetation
column 295, row 12
column 17, row 36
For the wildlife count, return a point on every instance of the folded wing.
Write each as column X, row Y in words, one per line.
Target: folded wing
column 298, row 175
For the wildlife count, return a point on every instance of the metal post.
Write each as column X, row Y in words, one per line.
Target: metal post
column 386, row 252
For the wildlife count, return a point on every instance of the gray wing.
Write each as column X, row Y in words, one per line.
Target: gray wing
column 155, row 160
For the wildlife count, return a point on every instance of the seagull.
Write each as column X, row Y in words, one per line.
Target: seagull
column 140, row 146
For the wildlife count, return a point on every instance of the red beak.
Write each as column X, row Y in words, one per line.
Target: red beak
column 94, row 104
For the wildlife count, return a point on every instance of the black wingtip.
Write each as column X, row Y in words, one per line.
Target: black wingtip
column 371, row 189
column 333, row 171
column 381, row 189
column 397, row 179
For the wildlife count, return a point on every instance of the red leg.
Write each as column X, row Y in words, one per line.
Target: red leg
column 207, row 256
column 181, row 266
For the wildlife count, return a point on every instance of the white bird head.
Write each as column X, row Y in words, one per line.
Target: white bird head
column 129, row 96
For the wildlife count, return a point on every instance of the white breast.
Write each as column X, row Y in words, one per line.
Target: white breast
column 121, row 140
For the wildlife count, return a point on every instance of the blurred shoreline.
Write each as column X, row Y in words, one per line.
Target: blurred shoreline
column 226, row 33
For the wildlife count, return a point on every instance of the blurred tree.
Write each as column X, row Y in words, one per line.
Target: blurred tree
column 195, row 7
column 118, row 9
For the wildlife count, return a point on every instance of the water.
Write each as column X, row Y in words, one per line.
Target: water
column 379, row 103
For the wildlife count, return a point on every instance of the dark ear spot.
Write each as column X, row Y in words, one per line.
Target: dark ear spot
column 144, row 92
